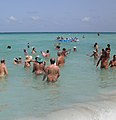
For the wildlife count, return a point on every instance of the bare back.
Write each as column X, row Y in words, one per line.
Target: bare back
column 3, row 70
column 60, row 61
column 39, row 68
column 53, row 72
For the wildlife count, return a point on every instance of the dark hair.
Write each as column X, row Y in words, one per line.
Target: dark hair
column 58, row 53
column 95, row 44
column 64, row 49
column 52, row 60
column 2, row 61
column 9, row 47
column 108, row 45
column 47, row 51
column 114, row 55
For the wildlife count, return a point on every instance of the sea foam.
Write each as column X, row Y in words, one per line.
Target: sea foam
column 97, row 110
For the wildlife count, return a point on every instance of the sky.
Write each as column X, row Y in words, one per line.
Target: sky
column 57, row 15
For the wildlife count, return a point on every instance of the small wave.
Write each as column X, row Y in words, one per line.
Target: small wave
column 101, row 110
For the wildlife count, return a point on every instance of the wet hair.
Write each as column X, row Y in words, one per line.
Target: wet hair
column 47, row 51
column 95, row 44
column 52, row 60
column 108, row 45
column 64, row 49
column 58, row 46
column 36, row 58
column 114, row 56
column 25, row 50
column 9, row 47
column 33, row 48
column 16, row 59
column 20, row 58
column 106, row 49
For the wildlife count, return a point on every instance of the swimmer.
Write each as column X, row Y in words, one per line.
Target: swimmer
column 57, row 46
column 8, row 47
column 15, row 61
column 65, row 52
column 74, row 49
column 28, row 61
column 38, row 66
column 33, row 50
column 104, row 60
column 95, row 54
column 47, row 53
column 3, row 68
column 19, row 60
column 28, row 46
column 108, row 50
column 52, row 72
column 96, row 46
column 60, row 60
column 113, row 62
column 25, row 52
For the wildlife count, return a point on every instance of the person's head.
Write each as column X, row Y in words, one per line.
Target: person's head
column 52, row 60
column 33, row 48
column 108, row 45
column 114, row 57
column 106, row 49
column 28, row 58
column 47, row 51
column 2, row 61
column 74, row 48
column 105, row 53
column 58, row 53
column 64, row 49
column 9, row 47
column 20, row 58
column 25, row 50
column 103, row 50
column 16, row 60
column 95, row 44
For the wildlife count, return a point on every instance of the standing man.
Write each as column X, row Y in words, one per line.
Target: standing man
column 60, row 60
column 3, row 68
column 52, row 72
column 104, row 60
column 113, row 62
column 38, row 66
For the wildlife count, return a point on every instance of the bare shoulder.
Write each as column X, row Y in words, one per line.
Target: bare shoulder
column 57, row 67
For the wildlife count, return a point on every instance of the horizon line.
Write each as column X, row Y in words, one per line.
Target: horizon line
column 13, row 32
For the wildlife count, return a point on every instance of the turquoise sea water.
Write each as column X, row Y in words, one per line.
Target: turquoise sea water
column 81, row 90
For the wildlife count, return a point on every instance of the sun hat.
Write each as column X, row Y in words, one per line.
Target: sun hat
column 28, row 58
column 39, row 60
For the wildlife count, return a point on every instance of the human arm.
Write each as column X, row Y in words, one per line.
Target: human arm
column 92, row 55
column 98, row 62
column 5, row 70
column 45, row 74
column 58, row 73
column 33, row 68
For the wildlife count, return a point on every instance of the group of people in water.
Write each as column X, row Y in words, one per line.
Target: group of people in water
column 70, row 39
column 51, row 72
column 103, row 57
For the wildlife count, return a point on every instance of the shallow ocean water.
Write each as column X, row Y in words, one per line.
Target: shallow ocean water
column 25, row 96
